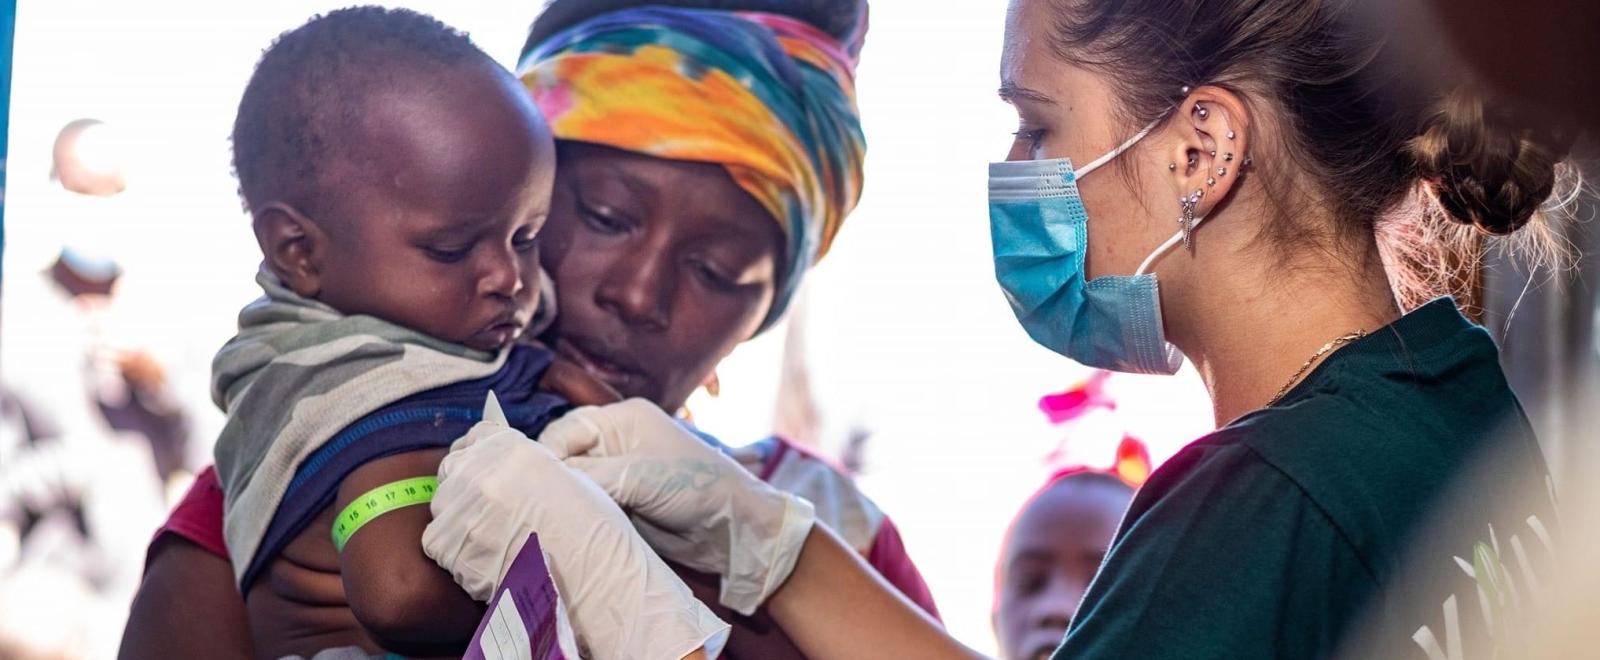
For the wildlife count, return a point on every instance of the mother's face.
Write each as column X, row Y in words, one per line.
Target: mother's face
column 661, row 267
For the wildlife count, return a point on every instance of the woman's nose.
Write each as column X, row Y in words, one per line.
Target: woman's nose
column 638, row 291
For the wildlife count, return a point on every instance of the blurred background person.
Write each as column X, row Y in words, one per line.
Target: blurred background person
column 1058, row 538
column 93, row 429
column 1050, row 555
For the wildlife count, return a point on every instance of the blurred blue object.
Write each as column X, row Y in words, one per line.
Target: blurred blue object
column 8, row 31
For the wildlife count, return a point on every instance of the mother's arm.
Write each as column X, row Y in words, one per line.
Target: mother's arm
column 187, row 606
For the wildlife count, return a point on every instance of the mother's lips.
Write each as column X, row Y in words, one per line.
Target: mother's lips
column 597, row 364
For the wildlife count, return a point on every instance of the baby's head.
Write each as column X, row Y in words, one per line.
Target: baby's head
column 1049, row 556
column 393, row 169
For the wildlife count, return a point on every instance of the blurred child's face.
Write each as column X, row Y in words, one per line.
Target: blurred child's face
column 441, row 239
column 1055, row 547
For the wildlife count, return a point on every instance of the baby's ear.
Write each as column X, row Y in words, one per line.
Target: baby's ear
column 292, row 246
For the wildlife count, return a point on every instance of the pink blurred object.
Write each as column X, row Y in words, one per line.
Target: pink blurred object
column 1078, row 400
column 1131, row 462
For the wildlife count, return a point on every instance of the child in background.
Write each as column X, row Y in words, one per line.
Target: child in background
column 1050, row 554
column 397, row 178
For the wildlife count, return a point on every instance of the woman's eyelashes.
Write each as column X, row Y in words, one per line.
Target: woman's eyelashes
column 1031, row 138
column 713, row 276
column 603, row 220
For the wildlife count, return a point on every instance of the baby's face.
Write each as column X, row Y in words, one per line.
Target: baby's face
column 443, row 241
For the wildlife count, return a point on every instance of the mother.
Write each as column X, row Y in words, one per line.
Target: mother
column 707, row 159
column 1292, row 145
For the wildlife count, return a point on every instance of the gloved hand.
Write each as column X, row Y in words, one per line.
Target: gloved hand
column 496, row 486
column 693, row 504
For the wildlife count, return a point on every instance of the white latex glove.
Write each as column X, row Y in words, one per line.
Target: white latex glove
column 693, row 504
column 496, row 486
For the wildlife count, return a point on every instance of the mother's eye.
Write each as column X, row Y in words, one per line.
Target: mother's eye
column 713, row 276
column 600, row 220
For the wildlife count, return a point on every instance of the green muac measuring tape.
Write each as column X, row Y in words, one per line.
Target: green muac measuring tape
column 398, row 494
column 381, row 500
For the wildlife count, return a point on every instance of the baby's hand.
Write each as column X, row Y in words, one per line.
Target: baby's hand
column 576, row 385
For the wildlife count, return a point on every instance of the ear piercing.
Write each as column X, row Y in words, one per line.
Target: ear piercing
column 1202, row 112
column 1230, row 135
column 1172, row 167
column 1222, row 171
column 1186, row 220
column 1227, row 157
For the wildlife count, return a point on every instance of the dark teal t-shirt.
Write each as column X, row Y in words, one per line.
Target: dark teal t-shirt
column 1280, row 534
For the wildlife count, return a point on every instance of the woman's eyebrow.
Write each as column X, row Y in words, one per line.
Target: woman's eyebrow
column 1011, row 91
column 637, row 186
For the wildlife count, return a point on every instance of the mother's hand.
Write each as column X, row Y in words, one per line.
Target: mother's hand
column 693, row 504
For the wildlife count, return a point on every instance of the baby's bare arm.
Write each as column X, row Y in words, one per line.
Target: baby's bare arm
column 403, row 599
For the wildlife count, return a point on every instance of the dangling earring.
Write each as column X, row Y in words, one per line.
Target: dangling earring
column 1186, row 221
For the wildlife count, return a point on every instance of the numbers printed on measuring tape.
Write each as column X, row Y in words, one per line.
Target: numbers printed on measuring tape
column 381, row 500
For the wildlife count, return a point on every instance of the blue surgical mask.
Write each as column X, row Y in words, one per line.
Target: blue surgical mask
column 1038, row 224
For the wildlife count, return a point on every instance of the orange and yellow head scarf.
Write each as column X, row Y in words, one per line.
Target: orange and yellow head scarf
column 768, row 97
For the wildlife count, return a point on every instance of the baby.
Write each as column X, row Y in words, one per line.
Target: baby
column 397, row 178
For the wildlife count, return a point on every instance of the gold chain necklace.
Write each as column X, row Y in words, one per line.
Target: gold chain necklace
column 1326, row 348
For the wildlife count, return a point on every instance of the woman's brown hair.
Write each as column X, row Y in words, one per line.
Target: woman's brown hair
column 1428, row 166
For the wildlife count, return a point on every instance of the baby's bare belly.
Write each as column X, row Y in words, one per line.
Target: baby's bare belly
column 297, row 606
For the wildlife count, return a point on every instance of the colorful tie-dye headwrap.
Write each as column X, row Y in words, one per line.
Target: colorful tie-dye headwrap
column 769, row 97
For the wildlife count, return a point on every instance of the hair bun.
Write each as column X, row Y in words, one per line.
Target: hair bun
column 1486, row 169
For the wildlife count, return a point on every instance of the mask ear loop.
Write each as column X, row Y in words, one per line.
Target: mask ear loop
column 1126, row 145
column 1166, row 247
column 1095, row 164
